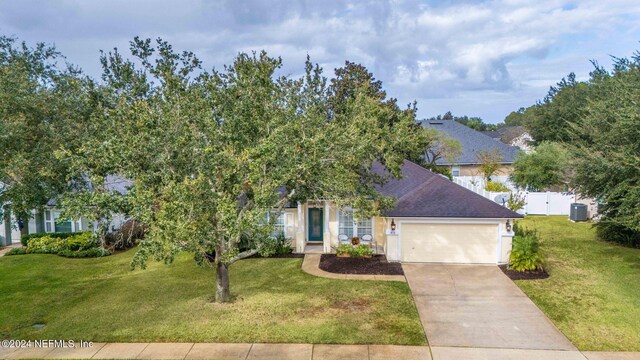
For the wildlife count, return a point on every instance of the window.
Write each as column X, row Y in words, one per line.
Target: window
column 51, row 223
column 364, row 227
column 455, row 170
column 345, row 223
column 350, row 226
column 279, row 223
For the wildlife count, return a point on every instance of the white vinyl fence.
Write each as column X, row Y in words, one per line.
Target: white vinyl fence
column 548, row 203
column 536, row 203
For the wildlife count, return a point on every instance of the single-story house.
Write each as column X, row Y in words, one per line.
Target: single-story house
column 434, row 220
column 467, row 166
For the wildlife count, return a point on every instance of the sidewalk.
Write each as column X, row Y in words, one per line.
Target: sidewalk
column 222, row 351
column 299, row 351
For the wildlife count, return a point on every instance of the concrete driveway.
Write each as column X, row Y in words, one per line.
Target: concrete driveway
column 478, row 306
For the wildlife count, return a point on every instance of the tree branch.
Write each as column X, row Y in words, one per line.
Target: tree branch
column 242, row 255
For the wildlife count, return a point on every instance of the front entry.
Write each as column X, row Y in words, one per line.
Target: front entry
column 316, row 224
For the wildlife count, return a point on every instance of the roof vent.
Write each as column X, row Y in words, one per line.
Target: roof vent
column 435, row 122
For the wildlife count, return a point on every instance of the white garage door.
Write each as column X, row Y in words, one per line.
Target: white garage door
column 449, row 243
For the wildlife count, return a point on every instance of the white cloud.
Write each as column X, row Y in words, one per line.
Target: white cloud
column 479, row 58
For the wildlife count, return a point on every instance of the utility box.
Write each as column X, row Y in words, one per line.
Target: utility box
column 578, row 212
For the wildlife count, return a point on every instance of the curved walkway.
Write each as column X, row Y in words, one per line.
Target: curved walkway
column 311, row 265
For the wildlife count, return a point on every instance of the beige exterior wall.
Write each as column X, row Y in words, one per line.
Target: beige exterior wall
column 469, row 240
column 300, row 233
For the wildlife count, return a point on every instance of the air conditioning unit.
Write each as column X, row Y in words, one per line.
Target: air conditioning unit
column 578, row 212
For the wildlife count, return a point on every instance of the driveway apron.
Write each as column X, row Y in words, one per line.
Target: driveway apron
column 478, row 306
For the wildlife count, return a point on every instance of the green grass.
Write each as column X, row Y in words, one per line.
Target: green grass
column 102, row 300
column 593, row 294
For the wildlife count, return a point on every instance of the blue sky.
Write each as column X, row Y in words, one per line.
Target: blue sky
column 476, row 58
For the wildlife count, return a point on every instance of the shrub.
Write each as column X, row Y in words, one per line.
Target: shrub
column 80, row 241
column 515, row 202
column 126, row 236
column 87, row 253
column 496, row 187
column 343, row 249
column 609, row 231
column 525, row 252
column 16, row 251
column 278, row 245
column 44, row 245
column 79, row 245
column 24, row 239
column 361, row 250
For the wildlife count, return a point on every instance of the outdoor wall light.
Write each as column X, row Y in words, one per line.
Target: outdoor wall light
column 393, row 226
column 508, row 226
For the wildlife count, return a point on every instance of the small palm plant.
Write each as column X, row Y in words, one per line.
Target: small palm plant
column 525, row 253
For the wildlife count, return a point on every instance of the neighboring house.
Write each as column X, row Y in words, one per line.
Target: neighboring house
column 48, row 219
column 436, row 220
column 514, row 136
column 467, row 165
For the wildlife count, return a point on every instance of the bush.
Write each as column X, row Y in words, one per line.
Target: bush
column 79, row 245
column 278, row 245
column 61, row 235
column 496, row 187
column 609, row 231
column 44, row 245
column 127, row 236
column 343, row 249
column 81, row 241
column 361, row 250
column 515, row 202
column 525, row 252
column 16, row 251
column 87, row 253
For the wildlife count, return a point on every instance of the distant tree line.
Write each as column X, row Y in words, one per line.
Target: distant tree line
column 473, row 122
column 587, row 135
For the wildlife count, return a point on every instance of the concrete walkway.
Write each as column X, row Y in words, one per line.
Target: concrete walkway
column 299, row 351
column 223, row 351
column 9, row 247
column 479, row 307
column 311, row 265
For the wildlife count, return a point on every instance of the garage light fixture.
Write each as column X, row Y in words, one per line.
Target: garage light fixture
column 393, row 226
column 508, row 226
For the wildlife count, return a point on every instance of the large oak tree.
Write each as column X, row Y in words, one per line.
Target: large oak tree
column 209, row 152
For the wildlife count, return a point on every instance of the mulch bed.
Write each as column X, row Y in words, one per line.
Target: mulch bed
column 524, row 275
column 375, row 265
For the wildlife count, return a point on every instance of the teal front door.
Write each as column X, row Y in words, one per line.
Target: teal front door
column 316, row 223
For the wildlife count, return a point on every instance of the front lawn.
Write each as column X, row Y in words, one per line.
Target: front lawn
column 593, row 294
column 102, row 300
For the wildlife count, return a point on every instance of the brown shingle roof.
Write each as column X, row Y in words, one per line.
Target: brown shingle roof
column 422, row 193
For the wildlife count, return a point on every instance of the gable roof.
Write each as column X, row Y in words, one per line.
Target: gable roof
column 471, row 141
column 422, row 193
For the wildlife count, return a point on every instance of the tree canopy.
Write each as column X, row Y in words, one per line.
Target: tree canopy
column 542, row 168
column 210, row 153
column 43, row 105
column 597, row 122
column 474, row 122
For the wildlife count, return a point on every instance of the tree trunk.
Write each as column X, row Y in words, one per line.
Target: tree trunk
column 222, row 283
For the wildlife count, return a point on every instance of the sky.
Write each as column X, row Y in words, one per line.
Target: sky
column 475, row 58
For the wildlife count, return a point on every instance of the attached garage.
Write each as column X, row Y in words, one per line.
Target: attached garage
column 437, row 220
column 462, row 243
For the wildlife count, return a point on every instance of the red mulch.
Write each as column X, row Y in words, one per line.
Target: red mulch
column 524, row 275
column 375, row 265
